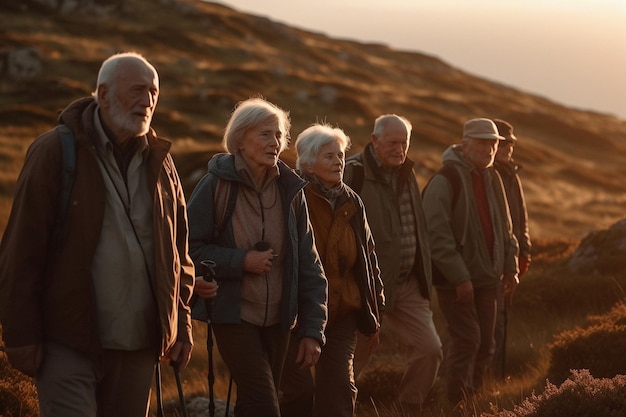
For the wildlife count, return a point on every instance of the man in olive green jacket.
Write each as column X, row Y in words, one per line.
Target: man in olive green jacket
column 386, row 182
column 473, row 249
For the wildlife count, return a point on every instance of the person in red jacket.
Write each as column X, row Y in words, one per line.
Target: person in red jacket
column 90, row 307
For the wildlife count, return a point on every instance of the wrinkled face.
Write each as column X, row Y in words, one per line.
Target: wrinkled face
column 392, row 145
column 480, row 152
column 260, row 145
column 128, row 105
column 505, row 151
column 329, row 164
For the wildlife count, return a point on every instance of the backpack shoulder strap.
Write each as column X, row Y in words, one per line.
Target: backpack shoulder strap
column 67, row 175
column 224, row 200
column 451, row 173
column 357, row 175
column 454, row 178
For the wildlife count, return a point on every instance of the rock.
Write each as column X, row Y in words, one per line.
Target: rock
column 20, row 63
column 601, row 252
column 199, row 407
column 328, row 94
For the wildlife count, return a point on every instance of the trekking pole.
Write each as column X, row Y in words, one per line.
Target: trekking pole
column 230, row 390
column 209, row 274
column 159, row 390
column 179, row 385
column 505, row 319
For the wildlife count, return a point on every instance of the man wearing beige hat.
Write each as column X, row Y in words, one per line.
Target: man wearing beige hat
column 508, row 170
column 473, row 251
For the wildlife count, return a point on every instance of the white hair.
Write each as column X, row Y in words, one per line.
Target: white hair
column 382, row 121
column 250, row 113
column 313, row 138
column 108, row 69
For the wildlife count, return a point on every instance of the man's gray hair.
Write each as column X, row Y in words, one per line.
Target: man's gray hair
column 382, row 121
column 108, row 69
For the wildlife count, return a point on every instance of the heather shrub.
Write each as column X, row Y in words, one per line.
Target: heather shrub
column 598, row 346
column 18, row 396
column 581, row 395
column 379, row 382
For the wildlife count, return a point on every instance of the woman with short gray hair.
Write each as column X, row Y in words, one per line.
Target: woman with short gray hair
column 346, row 248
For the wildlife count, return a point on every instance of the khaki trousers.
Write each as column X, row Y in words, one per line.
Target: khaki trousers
column 410, row 321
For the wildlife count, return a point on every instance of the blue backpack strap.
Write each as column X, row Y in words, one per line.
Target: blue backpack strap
column 67, row 176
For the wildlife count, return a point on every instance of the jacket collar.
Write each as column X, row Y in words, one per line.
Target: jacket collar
column 377, row 172
column 223, row 165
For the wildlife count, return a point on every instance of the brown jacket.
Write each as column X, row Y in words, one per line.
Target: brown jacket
column 46, row 289
column 342, row 234
column 517, row 205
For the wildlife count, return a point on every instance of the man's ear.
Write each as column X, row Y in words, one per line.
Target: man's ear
column 103, row 94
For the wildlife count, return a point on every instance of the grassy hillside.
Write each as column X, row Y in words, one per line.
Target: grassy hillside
column 210, row 57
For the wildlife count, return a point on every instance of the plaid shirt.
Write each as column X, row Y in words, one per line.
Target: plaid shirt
column 408, row 240
column 409, row 230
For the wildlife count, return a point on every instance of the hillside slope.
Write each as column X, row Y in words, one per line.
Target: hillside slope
column 209, row 57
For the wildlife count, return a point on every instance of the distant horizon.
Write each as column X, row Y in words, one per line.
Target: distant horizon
column 570, row 52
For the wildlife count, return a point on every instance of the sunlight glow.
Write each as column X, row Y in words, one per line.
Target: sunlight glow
column 572, row 51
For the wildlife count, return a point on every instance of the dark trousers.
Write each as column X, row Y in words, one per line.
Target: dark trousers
column 500, row 333
column 469, row 351
column 72, row 385
column 334, row 392
column 255, row 356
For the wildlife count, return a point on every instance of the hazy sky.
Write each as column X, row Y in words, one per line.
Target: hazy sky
column 570, row 51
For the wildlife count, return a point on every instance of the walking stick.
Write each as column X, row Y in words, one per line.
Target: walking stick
column 159, row 390
column 507, row 302
column 209, row 274
column 179, row 385
column 230, row 390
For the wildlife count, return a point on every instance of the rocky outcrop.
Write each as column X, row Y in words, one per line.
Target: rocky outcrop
column 601, row 252
column 199, row 407
column 20, row 63
column 96, row 7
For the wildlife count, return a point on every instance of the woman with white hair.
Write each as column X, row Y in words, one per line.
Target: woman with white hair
column 249, row 216
column 346, row 248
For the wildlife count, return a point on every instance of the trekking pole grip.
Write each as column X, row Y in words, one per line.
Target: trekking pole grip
column 208, row 270
column 208, row 273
